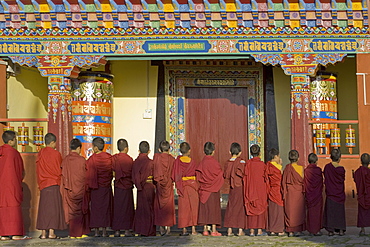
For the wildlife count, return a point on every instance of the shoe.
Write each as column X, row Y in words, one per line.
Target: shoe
column 262, row 234
column 273, row 234
column 291, row 234
column 362, row 234
column 5, row 238
column 205, row 233
column 281, row 234
column 251, row 235
column 341, row 233
column 184, row 234
column 318, row 234
column 230, row 235
column 216, row 234
column 41, row 237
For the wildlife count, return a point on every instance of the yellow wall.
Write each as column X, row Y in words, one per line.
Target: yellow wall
column 346, row 93
column 135, row 89
column 27, row 98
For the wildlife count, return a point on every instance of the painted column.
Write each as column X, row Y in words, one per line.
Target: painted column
column 92, row 109
column 3, row 95
column 300, row 113
column 59, row 111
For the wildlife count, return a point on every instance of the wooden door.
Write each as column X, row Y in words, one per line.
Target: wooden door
column 219, row 115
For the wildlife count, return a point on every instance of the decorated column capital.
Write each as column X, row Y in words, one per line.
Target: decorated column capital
column 299, row 63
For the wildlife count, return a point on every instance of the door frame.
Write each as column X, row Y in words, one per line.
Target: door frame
column 222, row 73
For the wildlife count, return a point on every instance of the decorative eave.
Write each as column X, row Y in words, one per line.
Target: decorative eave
column 56, row 16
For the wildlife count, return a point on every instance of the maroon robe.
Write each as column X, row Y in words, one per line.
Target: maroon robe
column 142, row 174
column 49, row 172
column 124, row 212
column 255, row 193
column 292, row 187
column 210, row 177
column 188, row 200
column 313, row 183
column 99, row 180
column 275, row 221
column 334, row 212
column 235, row 215
column 164, row 202
column 362, row 180
column 73, row 192
column 11, row 194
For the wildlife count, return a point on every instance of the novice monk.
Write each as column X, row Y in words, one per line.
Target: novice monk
column 275, row 223
column 99, row 179
column 210, row 177
column 11, row 194
column 313, row 183
column 362, row 180
column 235, row 216
column 334, row 211
column 142, row 174
column 50, row 215
column 73, row 190
column 124, row 212
column 293, row 195
column 187, row 188
column 164, row 202
column 255, row 192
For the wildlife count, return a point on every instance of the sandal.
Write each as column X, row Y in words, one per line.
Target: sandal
column 184, row 234
column 42, row 237
column 205, row 233
column 216, row 234
column 5, row 238
column 55, row 237
column 22, row 238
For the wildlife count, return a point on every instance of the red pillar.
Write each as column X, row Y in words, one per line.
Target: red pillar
column 363, row 100
column 300, row 114
column 59, row 112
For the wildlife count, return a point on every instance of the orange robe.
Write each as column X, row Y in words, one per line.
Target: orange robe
column 49, row 172
column 11, row 194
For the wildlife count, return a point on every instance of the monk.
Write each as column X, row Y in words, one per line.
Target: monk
column 362, row 180
column 292, row 187
column 187, row 189
column 142, row 174
column 313, row 183
column 164, row 202
column 11, row 194
column 275, row 223
column 99, row 179
column 49, row 172
column 255, row 192
column 235, row 216
column 124, row 212
column 73, row 191
column 334, row 219
column 210, row 177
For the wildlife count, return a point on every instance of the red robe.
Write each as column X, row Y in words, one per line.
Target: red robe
column 292, row 187
column 99, row 180
column 275, row 199
column 334, row 211
column 164, row 202
column 73, row 192
column 235, row 213
column 142, row 175
column 313, row 183
column 255, row 193
column 48, row 167
column 210, row 177
column 362, row 180
column 11, row 194
column 188, row 200
column 49, row 173
column 124, row 212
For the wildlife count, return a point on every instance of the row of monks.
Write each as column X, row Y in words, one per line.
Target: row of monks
column 262, row 196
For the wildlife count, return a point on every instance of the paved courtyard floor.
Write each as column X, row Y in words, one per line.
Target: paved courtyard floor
column 350, row 239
